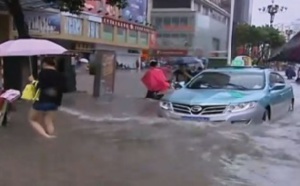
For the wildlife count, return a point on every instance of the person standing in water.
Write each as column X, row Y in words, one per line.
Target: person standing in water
column 51, row 86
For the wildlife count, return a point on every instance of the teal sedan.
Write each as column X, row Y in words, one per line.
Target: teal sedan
column 237, row 95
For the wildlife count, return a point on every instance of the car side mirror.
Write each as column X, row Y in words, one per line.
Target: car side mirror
column 277, row 86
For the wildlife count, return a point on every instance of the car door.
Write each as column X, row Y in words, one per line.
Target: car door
column 286, row 93
column 277, row 97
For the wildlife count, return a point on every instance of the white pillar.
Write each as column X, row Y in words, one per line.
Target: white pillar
column 229, row 48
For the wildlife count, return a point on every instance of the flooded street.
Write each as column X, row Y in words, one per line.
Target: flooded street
column 261, row 155
column 122, row 143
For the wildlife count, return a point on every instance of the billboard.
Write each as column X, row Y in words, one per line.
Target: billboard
column 136, row 10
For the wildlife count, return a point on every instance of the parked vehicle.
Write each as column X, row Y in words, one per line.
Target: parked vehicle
column 232, row 94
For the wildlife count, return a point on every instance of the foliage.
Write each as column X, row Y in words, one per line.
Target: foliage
column 259, row 35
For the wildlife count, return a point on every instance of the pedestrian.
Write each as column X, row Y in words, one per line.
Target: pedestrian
column 183, row 74
column 50, row 85
column 155, row 81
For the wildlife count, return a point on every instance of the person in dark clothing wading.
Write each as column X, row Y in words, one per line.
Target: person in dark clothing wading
column 51, row 86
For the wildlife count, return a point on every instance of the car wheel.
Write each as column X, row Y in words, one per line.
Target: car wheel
column 267, row 116
column 291, row 106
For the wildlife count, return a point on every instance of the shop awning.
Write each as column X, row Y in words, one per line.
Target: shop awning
column 290, row 52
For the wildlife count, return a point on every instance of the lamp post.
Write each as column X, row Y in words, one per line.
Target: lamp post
column 289, row 33
column 230, row 34
column 272, row 9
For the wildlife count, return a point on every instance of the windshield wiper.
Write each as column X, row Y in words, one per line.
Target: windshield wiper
column 240, row 87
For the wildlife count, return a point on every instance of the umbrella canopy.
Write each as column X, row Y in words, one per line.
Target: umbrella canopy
column 188, row 60
column 290, row 51
column 30, row 47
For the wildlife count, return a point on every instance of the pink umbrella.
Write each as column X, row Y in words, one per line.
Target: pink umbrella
column 30, row 47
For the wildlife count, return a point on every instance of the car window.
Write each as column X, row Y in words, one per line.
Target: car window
column 228, row 80
column 276, row 78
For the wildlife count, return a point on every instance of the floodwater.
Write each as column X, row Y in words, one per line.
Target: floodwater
column 202, row 153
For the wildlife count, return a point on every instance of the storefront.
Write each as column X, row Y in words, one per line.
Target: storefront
column 86, row 33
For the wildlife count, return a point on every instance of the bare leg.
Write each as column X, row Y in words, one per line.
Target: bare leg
column 33, row 119
column 48, row 120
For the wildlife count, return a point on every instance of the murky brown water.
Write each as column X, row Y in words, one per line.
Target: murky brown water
column 257, row 155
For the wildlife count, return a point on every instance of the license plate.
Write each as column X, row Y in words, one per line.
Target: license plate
column 195, row 118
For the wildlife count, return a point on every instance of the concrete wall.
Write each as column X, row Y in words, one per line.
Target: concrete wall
column 206, row 30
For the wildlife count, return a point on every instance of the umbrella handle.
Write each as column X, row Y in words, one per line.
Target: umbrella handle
column 30, row 66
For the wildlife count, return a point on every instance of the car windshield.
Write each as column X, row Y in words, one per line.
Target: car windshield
column 228, row 80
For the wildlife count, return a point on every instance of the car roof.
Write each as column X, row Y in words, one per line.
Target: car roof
column 240, row 69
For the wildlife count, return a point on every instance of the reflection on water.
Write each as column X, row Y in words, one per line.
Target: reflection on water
column 256, row 155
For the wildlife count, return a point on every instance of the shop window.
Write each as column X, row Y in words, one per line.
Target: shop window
column 167, row 21
column 175, row 21
column 74, row 26
column 108, row 28
column 94, row 28
column 183, row 21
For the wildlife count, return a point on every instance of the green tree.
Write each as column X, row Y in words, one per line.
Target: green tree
column 73, row 6
column 258, row 35
column 264, row 37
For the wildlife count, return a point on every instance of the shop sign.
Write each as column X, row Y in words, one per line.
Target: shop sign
column 84, row 46
column 171, row 52
column 43, row 22
column 126, row 25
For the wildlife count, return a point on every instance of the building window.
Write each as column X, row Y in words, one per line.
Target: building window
column 183, row 21
column 108, row 28
column 165, row 35
column 121, row 31
column 175, row 36
column 74, row 26
column 158, row 22
column 108, row 32
column 94, row 28
column 133, row 36
column 121, row 34
column 175, row 21
column 167, row 21
column 132, row 33
column 216, row 44
column 205, row 10
column 144, row 38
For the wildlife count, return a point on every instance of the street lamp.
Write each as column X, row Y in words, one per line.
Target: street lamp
column 272, row 9
column 289, row 33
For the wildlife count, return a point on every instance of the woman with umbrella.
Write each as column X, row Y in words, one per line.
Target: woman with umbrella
column 183, row 74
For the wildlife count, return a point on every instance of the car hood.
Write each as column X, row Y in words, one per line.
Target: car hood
column 212, row 96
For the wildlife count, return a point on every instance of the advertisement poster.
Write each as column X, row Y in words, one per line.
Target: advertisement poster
column 136, row 10
column 108, row 72
column 43, row 22
column 153, row 41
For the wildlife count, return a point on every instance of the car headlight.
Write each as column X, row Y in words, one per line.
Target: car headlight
column 165, row 105
column 241, row 106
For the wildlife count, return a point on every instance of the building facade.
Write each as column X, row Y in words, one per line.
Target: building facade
column 101, row 27
column 195, row 27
